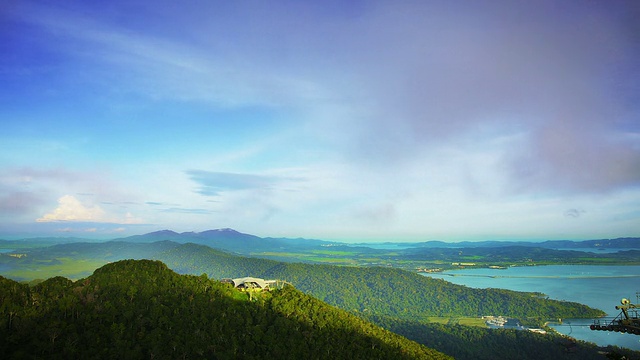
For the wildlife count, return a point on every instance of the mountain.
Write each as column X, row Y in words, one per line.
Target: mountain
column 108, row 251
column 401, row 301
column 155, row 236
column 133, row 309
column 140, row 309
column 380, row 290
column 619, row 243
column 237, row 242
column 41, row 241
column 234, row 241
column 75, row 260
column 228, row 240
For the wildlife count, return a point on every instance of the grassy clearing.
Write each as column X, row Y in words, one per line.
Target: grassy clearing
column 324, row 260
column 439, row 320
column 43, row 269
column 467, row 321
column 334, row 252
column 472, row 322
column 277, row 254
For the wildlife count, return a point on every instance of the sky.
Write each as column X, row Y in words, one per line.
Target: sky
column 336, row 120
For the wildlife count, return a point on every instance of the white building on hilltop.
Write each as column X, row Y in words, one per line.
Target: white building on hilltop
column 250, row 283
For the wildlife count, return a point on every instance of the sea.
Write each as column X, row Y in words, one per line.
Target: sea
column 597, row 286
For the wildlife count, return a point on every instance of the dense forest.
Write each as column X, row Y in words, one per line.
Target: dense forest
column 519, row 254
column 476, row 343
column 383, row 291
column 397, row 300
column 141, row 309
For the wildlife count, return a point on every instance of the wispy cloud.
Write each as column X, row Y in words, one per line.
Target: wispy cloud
column 16, row 202
column 341, row 118
column 574, row 213
column 29, row 189
column 187, row 211
column 213, row 183
column 451, row 79
column 162, row 68
column 25, row 190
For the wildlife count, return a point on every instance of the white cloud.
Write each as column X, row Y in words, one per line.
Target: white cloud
column 71, row 209
column 131, row 219
column 456, row 128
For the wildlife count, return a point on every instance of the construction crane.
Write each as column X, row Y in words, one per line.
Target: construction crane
column 627, row 321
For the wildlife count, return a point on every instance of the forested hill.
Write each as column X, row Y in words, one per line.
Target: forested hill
column 382, row 291
column 228, row 240
column 136, row 309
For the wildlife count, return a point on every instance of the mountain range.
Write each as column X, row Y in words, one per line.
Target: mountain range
column 228, row 240
column 398, row 300
column 234, row 241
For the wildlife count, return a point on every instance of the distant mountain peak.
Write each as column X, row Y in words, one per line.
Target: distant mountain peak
column 226, row 239
column 225, row 230
column 218, row 231
column 163, row 233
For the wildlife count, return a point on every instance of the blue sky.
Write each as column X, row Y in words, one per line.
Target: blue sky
column 376, row 120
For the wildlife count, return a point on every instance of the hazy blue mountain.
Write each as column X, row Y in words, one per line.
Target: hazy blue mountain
column 41, row 241
column 155, row 236
column 619, row 243
column 228, row 240
column 234, row 241
column 109, row 251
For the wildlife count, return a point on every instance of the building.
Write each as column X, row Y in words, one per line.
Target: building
column 250, row 283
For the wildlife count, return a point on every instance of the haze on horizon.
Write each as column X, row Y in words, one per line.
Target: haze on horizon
column 365, row 120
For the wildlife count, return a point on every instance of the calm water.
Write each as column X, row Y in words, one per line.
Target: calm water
column 600, row 251
column 600, row 287
column 386, row 246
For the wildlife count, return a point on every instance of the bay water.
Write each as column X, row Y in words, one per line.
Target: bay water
column 597, row 286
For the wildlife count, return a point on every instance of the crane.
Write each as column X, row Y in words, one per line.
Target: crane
column 627, row 321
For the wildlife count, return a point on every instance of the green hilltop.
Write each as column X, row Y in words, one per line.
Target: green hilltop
column 130, row 292
column 378, row 290
column 135, row 309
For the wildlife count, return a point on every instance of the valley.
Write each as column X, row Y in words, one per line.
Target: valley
column 74, row 257
column 381, row 286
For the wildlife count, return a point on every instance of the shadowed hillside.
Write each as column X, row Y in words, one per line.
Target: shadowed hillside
column 400, row 301
column 382, row 291
column 141, row 309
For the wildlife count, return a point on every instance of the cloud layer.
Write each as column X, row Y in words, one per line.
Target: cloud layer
column 423, row 119
column 454, row 77
column 213, row 183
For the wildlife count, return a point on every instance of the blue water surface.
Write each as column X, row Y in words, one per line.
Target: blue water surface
column 600, row 287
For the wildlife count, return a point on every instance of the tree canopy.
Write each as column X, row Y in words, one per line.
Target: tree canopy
column 133, row 309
